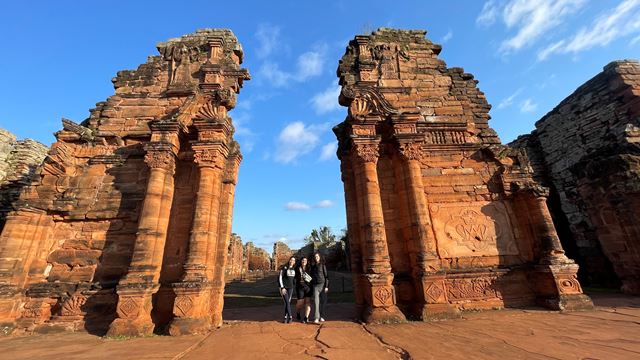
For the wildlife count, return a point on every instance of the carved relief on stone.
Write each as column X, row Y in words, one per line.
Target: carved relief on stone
column 435, row 292
column 210, row 111
column 183, row 306
column 569, row 284
column 472, row 229
column 445, row 137
column 360, row 107
column 73, row 306
column 35, row 310
column 160, row 160
column 363, row 130
column 473, row 288
column 404, row 129
column 383, row 296
column 129, row 308
column 366, row 152
column 410, row 151
column 208, row 157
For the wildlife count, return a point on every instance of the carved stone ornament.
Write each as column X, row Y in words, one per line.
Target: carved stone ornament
column 183, row 306
column 476, row 288
column 410, row 151
column 208, row 157
column 569, row 285
column 73, row 306
column 369, row 96
column 160, row 160
column 383, row 295
column 128, row 308
column 210, row 111
column 367, row 152
column 360, row 107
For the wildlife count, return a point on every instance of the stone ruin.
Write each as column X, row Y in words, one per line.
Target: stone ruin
column 126, row 226
column 587, row 150
column 441, row 216
column 127, row 222
column 257, row 258
column 281, row 255
column 19, row 160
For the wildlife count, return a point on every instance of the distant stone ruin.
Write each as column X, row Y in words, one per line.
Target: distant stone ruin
column 441, row 216
column 587, row 150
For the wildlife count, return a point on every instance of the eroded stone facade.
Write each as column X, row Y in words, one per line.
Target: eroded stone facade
column 281, row 255
column 587, row 150
column 19, row 160
column 127, row 224
column 257, row 259
column 441, row 216
column 236, row 259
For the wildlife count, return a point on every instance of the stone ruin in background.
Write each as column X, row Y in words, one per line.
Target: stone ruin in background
column 441, row 216
column 127, row 223
column 587, row 150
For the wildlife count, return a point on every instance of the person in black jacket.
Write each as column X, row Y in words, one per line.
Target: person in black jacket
column 286, row 280
column 303, row 288
column 320, row 283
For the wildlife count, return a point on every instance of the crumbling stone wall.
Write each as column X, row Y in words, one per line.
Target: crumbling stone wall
column 587, row 149
column 236, row 262
column 281, row 255
column 127, row 223
column 441, row 216
column 333, row 254
column 19, row 160
column 256, row 258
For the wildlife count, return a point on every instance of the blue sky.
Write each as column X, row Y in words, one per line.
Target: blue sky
column 58, row 59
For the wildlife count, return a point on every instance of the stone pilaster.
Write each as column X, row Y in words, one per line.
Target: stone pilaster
column 353, row 226
column 193, row 293
column 224, row 233
column 379, row 291
column 555, row 276
column 136, row 289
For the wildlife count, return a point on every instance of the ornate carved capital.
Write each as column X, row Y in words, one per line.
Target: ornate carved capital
column 160, row 160
column 366, row 152
column 209, row 158
column 530, row 187
column 410, row 151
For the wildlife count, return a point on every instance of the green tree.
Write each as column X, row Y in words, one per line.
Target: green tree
column 323, row 235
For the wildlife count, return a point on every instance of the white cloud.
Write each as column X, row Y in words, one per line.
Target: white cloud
column 329, row 151
column 297, row 206
column 309, row 64
column 327, row 100
column 488, row 14
column 506, row 102
column 634, row 41
column 324, row 204
column 297, row 139
column 621, row 21
column 447, row 37
column 268, row 39
column 528, row 106
column 533, row 18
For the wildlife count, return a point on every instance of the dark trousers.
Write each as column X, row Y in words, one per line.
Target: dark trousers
column 287, row 303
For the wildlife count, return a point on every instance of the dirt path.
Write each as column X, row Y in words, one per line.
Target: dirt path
column 610, row 332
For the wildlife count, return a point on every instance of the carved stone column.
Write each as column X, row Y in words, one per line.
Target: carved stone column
column 224, row 233
column 380, row 293
column 136, row 289
column 555, row 277
column 353, row 226
column 426, row 262
column 192, row 305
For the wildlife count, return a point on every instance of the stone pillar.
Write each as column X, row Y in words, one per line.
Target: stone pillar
column 429, row 283
column 555, row 277
column 192, row 305
column 379, row 293
column 136, row 289
column 353, row 226
column 224, row 234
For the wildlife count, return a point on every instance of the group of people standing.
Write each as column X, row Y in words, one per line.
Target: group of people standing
column 308, row 281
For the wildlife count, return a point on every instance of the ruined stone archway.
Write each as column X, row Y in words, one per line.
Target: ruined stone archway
column 128, row 223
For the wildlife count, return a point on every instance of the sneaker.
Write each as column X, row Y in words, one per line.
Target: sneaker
column 306, row 320
column 316, row 321
column 286, row 321
column 321, row 320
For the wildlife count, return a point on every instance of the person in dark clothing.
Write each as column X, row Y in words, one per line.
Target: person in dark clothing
column 320, row 283
column 286, row 280
column 303, row 288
